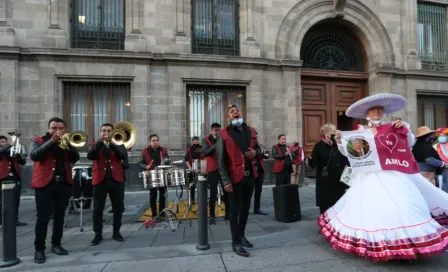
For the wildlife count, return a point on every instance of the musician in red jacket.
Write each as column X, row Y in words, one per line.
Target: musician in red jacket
column 10, row 170
column 237, row 148
column 283, row 159
column 153, row 156
column 108, row 179
column 52, row 179
column 213, row 178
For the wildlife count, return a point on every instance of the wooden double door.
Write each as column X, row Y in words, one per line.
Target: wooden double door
column 325, row 101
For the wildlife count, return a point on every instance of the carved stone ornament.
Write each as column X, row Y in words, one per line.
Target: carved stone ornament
column 338, row 7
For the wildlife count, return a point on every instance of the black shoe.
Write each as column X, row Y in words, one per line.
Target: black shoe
column 110, row 211
column 39, row 257
column 97, row 239
column 20, row 224
column 212, row 220
column 245, row 242
column 58, row 250
column 260, row 212
column 239, row 249
column 117, row 237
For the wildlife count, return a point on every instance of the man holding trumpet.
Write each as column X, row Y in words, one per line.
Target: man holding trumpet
column 108, row 179
column 52, row 179
column 10, row 170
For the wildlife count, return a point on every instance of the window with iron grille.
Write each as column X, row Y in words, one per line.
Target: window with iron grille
column 97, row 24
column 215, row 27
column 432, row 36
column 208, row 104
column 432, row 111
column 89, row 105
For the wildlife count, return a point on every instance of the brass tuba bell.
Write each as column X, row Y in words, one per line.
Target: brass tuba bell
column 76, row 139
column 124, row 133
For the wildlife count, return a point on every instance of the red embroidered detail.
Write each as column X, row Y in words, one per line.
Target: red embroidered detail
column 429, row 245
column 441, row 153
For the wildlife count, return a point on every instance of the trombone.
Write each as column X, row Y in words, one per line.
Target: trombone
column 76, row 139
column 124, row 133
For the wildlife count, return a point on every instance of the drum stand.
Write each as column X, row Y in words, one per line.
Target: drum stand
column 80, row 201
column 191, row 205
column 169, row 215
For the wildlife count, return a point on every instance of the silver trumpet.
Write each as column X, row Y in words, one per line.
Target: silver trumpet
column 265, row 153
column 16, row 148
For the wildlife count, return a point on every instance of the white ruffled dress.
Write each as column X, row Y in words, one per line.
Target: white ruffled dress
column 388, row 215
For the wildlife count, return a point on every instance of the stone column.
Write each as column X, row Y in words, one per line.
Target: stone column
column 180, row 43
column 180, row 23
column 54, row 15
column 411, row 57
column 135, row 41
column 9, row 86
column 54, row 36
column 292, row 113
column 248, row 18
column 7, row 33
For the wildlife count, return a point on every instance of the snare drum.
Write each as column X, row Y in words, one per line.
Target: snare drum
column 178, row 178
column 144, row 176
column 157, row 179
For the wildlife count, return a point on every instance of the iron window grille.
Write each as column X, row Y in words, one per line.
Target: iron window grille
column 208, row 104
column 432, row 36
column 98, row 24
column 215, row 27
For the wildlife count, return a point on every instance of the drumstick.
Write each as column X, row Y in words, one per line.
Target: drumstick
column 150, row 165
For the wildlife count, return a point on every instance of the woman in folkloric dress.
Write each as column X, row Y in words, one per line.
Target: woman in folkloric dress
column 387, row 214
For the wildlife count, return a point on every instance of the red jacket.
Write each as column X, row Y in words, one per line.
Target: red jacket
column 299, row 150
column 278, row 163
column 100, row 166
column 5, row 166
column 235, row 158
column 212, row 161
column 44, row 170
column 148, row 158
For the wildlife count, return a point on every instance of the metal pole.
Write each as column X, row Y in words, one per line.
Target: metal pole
column 9, row 205
column 202, row 215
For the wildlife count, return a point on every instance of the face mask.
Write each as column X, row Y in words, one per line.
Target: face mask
column 375, row 122
column 238, row 122
column 442, row 139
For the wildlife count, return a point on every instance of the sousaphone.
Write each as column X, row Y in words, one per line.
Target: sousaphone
column 124, row 133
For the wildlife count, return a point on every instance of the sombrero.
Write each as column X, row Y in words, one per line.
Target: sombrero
column 422, row 131
column 390, row 102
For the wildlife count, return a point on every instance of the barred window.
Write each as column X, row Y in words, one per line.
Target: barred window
column 432, row 36
column 432, row 111
column 89, row 105
column 215, row 28
column 97, row 24
column 208, row 104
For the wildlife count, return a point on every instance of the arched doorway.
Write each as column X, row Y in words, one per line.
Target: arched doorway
column 333, row 77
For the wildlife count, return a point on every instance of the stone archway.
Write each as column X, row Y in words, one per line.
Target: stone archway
column 363, row 22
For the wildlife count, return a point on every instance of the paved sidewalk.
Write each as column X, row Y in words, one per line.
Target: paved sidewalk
column 278, row 246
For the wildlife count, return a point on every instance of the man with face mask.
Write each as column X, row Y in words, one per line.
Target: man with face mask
column 10, row 170
column 213, row 178
column 52, row 179
column 237, row 148
column 442, row 150
column 193, row 153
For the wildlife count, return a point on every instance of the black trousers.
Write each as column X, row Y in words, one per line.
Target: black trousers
column 283, row 177
column 239, row 201
column 213, row 180
column 18, row 191
column 153, row 200
column 115, row 191
column 257, row 192
column 54, row 197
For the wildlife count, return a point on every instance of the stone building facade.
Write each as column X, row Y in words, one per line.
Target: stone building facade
column 171, row 66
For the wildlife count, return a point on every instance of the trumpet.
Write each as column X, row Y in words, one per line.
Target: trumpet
column 265, row 153
column 76, row 139
column 16, row 148
column 124, row 133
